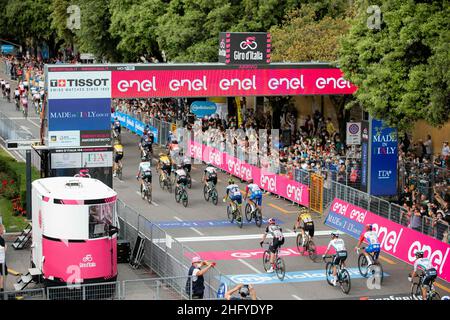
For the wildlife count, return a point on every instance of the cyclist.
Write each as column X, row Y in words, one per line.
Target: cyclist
column 25, row 103
column 36, row 98
column 278, row 240
column 255, row 194
column 164, row 164
column 187, row 165
column 209, row 174
column 17, row 95
column 118, row 151
column 174, row 149
column 235, row 195
column 116, row 126
column 372, row 239
column 144, row 172
column 180, row 176
column 308, row 224
column 246, row 292
column 7, row 89
column 2, row 83
column 425, row 266
column 341, row 253
column 146, row 147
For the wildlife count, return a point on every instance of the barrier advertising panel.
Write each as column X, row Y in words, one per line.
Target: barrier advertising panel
column 395, row 239
column 384, row 157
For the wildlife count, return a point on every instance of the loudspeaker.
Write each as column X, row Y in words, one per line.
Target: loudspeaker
column 123, row 251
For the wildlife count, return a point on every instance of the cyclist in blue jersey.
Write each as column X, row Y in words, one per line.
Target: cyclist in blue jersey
column 371, row 238
column 234, row 194
column 255, row 194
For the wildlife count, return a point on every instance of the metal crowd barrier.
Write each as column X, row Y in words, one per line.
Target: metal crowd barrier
column 166, row 256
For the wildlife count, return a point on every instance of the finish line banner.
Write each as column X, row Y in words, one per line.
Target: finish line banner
column 395, row 239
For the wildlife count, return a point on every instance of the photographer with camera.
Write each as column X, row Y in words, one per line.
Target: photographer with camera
column 246, row 292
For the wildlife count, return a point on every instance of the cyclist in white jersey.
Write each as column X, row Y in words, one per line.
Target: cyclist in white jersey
column 144, row 172
column 255, row 194
column 180, row 176
column 371, row 238
column 234, row 194
column 425, row 266
column 341, row 253
column 278, row 240
column 210, row 174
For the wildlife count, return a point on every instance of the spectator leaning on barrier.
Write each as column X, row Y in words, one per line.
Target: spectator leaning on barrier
column 198, row 281
column 3, row 266
column 246, row 292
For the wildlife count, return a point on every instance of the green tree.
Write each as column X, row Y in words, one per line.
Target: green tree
column 94, row 36
column 305, row 37
column 59, row 17
column 134, row 23
column 402, row 69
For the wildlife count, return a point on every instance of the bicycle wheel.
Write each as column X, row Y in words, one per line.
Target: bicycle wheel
column 161, row 181
column 433, row 295
column 329, row 273
column 312, row 250
column 230, row 214
column 177, row 195
column 119, row 174
column 184, row 198
column 415, row 291
column 149, row 194
column 258, row 218
column 266, row 260
column 214, row 197
column 169, row 185
column 206, row 194
column 298, row 242
column 248, row 212
column 189, row 181
column 363, row 265
column 239, row 219
column 281, row 268
column 345, row 281
column 142, row 193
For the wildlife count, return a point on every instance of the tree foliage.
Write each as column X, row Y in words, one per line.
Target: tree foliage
column 306, row 35
column 402, row 69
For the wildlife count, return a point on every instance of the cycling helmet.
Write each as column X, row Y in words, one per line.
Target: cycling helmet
column 334, row 234
column 230, row 181
column 445, row 298
column 244, row 291
column 419, row 254
column 271, row 221
column 369, row 227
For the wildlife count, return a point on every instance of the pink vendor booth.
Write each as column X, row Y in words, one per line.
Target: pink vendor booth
column 74, row 230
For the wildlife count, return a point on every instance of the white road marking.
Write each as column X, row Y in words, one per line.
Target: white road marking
column 241, row 237
column 21, row 118
column 26, row 129
column 296, row 297
column 193, row 180
column 249, row 265
column 155, row 204
column 34, row 124
column 193, row 229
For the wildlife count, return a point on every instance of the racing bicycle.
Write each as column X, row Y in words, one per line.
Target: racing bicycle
column 279, row 266
column 234, row 213
column 146, row 191
column 210, row 192
column 309, row 246
column 181, row 194
column 165, row 182
column 189, row 180
column 343, row 276
column 119, row 170
column 372, row 267
column 116, row 136
column 416, row 289
column 252, row 211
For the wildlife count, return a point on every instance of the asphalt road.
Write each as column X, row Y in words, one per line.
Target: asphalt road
column 206, row 231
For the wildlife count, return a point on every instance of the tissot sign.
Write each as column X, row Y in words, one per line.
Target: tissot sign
column 244, row 47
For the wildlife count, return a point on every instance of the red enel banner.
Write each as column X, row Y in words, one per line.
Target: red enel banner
column 229, row 82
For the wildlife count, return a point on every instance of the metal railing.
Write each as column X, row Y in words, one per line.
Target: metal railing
column 167, row 288
column 28, row 294
column 166, row 256
column 94, row 291
column 9, row 130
